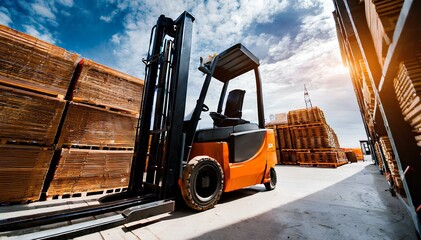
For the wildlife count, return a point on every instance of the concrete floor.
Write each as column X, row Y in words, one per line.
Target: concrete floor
column 350, row 202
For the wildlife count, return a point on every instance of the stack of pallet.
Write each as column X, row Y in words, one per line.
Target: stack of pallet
column 34, row 78
column 379, row 156
column 407, row 86
column 98, row 132
column 283, row 141
column 67, row 125
column 382, row 16
column 367, row 89
column 307, row 139
column 315, row 141
column 389, row 157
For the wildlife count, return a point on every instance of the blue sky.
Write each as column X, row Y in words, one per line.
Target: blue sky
column 295, row 41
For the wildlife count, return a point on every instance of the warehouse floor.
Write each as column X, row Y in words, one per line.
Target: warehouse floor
column 350, row 202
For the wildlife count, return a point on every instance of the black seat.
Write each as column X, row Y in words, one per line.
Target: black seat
column 233, row 110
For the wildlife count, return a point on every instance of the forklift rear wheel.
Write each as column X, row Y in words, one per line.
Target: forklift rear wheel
column 273, row 180
column 202, row 183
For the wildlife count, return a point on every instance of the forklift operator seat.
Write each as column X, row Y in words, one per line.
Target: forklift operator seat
column 233, row 110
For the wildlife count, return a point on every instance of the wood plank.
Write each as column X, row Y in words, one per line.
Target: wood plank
column 22, row 172
column 101, row 85
column 86, row 125
column 29, row 117
column 34, row 64
column 81, row 170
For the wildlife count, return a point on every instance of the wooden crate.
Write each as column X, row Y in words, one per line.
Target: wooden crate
column 100, row 85
column 85, row 125
column 306, row 116
column 82, row 170
column 29, row 117
column 33, row 64
column 22, row 172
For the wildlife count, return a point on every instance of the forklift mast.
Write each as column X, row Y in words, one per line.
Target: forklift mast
column 160, row 139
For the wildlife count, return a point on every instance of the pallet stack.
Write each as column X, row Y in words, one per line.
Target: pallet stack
column 67, row 126
column 97, row 137
column 315, row 141
column 382, row 16
column 285, row 151
column 393, row 175
column 306, row 139
column 34, row 78
column 407, row 86
column 367, row 89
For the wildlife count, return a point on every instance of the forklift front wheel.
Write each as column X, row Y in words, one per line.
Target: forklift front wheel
column 202, row 183
column 273, row 180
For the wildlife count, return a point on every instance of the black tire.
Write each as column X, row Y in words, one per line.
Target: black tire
column 273, row 180
column 202, row 183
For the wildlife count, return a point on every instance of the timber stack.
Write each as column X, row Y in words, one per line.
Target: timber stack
column 392, row 175
column 306, row 139
column 60, row 132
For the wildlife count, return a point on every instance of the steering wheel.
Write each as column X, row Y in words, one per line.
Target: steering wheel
column 205, row 108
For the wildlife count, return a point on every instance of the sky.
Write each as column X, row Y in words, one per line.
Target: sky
column 295, row 41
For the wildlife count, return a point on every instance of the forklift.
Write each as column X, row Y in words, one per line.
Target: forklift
column 172, row 158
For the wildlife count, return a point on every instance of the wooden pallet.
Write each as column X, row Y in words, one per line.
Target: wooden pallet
column 322, row 164
column 306, row 116
column 100, row 85
column 76, row 195
column 28, row 117
column 314, row 137
column 31, row 63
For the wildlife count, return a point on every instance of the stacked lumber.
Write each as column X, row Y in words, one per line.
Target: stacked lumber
column 379, row 155
column 307, row 139
column 389, row 157
column 407, row 86
column 306, row 116
column 315, row 141
column 314, row 136
column 34, row 78
column 87, row 125
column 98, row 131
column 382, row 16
column 103, row 86
column 33, row 64
column 29, row 117
column 367, row 89
column 80, row 113
column 22, row 172
column 83, row 170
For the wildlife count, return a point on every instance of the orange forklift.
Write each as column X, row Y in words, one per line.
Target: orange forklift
column 173, row 158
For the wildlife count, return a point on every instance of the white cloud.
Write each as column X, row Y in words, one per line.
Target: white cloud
column 5, row 16
column 46, row 36
column 108, row 18
column 42, row 10
column 67, row 3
